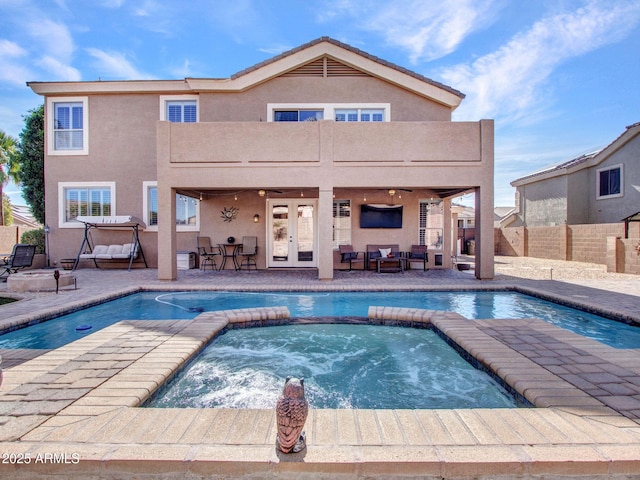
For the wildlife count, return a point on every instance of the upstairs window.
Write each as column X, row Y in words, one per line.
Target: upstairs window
column 339, row 112
column 67, row 126
column 610, row 182
column 179, row 108
column 68, row 122
column 182, row 112
column 298, row 115
column 359, row 115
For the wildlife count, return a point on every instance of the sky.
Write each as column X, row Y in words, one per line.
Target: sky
column 559, row 77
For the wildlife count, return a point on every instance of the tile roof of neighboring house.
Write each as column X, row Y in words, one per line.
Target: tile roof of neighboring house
column 354, row 50
column 578, row 160
column 22, row 216
column 560, row 166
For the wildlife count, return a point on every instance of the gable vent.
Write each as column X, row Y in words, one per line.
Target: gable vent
column 325, row 67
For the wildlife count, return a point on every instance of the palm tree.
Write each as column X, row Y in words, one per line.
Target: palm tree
column 8, row 168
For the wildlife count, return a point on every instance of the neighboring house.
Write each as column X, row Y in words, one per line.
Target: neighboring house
column 23, row 217
column 598, row 187
column 500, row 215
column 287, row 150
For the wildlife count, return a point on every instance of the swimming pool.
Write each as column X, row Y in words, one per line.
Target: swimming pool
column 344, row 366
column 186, row 305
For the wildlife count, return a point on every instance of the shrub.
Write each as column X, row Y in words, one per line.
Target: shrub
column 34, row 237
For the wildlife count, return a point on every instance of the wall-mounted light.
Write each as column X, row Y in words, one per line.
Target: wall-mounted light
column 392, row 192
column 200, row 196
column 256, row 218
column 262, row 193
column 47, row 231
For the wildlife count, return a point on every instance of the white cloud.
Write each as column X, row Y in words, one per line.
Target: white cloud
column 11, row 49
column 511, row 81
column 13, row 71
column 52, row 38
column 276, row 49
column 430, row 30
column 112, row 3
column 58, row 69
column 115, row 65
column 183, row 71
column 426, row 29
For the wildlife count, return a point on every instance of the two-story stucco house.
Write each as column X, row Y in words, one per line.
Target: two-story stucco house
column 597, row 187
column 287, row 150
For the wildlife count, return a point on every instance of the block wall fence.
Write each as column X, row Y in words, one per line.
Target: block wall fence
column 594, row 243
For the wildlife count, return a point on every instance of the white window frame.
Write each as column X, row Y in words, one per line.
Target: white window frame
column 63, row 186
column 619, row 166
column 424, row 228
column 346, row 237
column 146, row 186
column 329, row 109
column 164, row 99
column 358, row 114
column 51, row 144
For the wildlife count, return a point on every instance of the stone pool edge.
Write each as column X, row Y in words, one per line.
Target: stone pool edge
column 82, row 399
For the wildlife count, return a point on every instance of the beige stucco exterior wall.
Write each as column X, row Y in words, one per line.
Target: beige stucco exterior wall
column 251, row 105
column 324, row 156
column 234, row 148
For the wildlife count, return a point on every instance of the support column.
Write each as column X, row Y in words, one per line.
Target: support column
column 484, row 205
column 167, row 260
column 447, row 233
column 325, row 234
column 484, row 234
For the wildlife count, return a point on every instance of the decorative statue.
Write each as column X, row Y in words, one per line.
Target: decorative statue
column 291, row 413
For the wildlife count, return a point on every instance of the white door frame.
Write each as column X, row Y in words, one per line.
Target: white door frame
column 289, row 250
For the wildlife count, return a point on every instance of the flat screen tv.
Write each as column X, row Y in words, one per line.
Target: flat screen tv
column 380, row 216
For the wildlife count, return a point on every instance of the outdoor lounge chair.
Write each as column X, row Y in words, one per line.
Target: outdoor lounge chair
column 21, row 257
column 347, row 254
column 247, row 253
column 207, row 253
column 418, row 253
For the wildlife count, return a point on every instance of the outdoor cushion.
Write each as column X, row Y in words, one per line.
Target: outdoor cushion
column 125, row 251
column 98, row 250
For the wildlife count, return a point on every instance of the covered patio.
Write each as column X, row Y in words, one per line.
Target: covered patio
column 323, row 174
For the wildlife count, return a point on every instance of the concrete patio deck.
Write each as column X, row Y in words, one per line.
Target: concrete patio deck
column 73, row 411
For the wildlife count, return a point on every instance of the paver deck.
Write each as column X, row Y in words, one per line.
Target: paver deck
column 74, row 411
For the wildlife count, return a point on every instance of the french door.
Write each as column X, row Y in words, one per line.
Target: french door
column 292, row 234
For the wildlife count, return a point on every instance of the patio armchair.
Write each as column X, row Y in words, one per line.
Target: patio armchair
column 207, row 253
column 418, row 253
column 21, row 257
column 247, row 253
column 347, row 254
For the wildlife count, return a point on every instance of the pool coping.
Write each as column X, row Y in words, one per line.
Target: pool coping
column 82, row 399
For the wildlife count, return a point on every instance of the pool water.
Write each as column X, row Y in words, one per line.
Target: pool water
column 343, row 366
column 186, row 305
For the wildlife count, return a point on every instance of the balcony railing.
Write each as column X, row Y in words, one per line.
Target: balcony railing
column 324, row 141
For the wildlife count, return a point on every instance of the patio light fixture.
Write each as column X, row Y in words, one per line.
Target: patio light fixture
column 262, row 193
column 256, row 218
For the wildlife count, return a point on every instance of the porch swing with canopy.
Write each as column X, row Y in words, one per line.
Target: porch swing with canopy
column 113, row 252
